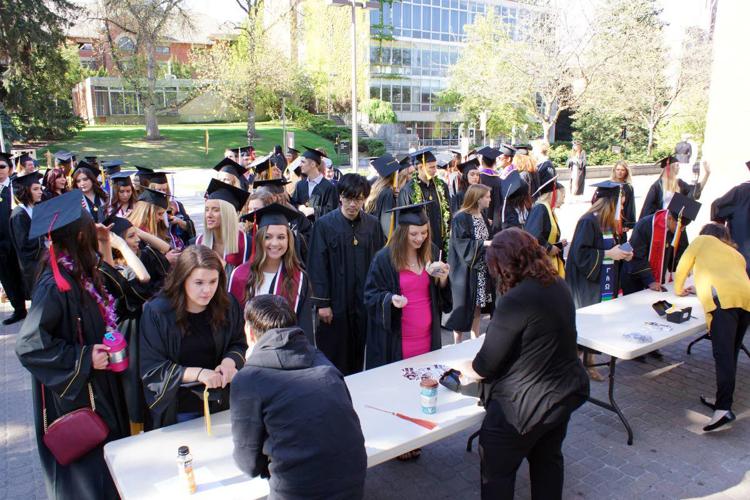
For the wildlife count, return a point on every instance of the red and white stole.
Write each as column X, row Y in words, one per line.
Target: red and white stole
column 278, row 289
column 658, row 246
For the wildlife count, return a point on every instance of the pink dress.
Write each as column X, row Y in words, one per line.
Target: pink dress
column 416, row 317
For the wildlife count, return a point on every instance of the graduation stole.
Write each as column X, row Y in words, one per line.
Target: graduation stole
column 554, row 236
column 278, row 289
column 445, row 213
column 239, row 256
column 607, row 277
column 658, row 246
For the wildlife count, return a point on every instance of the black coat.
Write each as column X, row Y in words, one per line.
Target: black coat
column 161, row 338
column 48, row 346
column 28, row 250
column 584, row 265
column 338, row 270
column 655, row 197
column 324, row 199
column 628, row 214
column 495, row 209
column 386, row 201
column 10, row 271
column 384, row 320
column 435, row 191
column 293, row 420
column 734, row 209
column 464, row 256
column 528, row 358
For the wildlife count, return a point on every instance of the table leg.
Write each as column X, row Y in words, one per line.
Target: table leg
column 702, row 337
column 471, row 440
column 612, row 405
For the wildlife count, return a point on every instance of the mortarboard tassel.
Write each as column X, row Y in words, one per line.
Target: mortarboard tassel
column 61, row 283
column 618, row 212
column 255, row 231
column 206, row 411
column 554, row 194
column 393, row 215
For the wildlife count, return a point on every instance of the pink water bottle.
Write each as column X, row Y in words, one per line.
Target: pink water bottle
column 118, row 351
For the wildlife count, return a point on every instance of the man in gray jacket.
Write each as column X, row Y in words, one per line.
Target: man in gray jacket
column 292, row 415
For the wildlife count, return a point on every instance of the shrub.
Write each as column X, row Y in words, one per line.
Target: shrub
column 378, row 111
column 373, row 147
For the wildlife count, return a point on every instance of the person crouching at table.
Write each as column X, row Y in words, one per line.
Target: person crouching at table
column 530, row 365
column 192, row 337
column 292, row 415
column 723, row 289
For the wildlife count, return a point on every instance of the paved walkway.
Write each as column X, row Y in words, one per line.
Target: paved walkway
column 671, row 458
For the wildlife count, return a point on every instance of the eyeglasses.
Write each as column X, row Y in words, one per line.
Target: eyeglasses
column 352, row 201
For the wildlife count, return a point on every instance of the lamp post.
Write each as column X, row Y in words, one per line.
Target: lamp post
column 353, row 4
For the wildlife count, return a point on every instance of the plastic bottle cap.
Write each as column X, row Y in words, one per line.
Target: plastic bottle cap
column 183, row 450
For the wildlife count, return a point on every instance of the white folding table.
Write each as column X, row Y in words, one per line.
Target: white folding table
column 602, row 329
column 144, row 466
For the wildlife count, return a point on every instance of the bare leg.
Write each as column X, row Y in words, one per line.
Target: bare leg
column 475, row 323
column 457, row 337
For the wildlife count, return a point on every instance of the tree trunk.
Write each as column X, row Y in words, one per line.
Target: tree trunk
column 149, row 102
column 293, row 33
column 547, row 128
column 251, row 121
column 650, row 146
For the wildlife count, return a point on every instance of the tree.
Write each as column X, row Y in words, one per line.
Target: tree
column 34, row 73
column 638, row 82
column 146, row 22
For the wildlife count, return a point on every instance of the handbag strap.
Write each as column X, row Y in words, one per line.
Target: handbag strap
column 44, row 404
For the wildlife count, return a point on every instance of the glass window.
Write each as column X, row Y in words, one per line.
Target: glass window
column 374, row 92
column 386, row 93
column 406, row 17
column 396, row 55
column 462, row 22
column 118, row 108
column 170, row 96
column 386, row 56
column 406, row 55
column 126, row 44
column 101, row 101
column 396, row 94
column 162, row 49
column 454, row 27
column 374, row 17
column 387, row 19
column 406, row 94
column 435, row 20
column 425, row 18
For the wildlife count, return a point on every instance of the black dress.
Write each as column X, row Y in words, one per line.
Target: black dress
column 466, row 260
column 10, row 271
column 28, row 250
column 734, row 209
column 384, row 320
column 161, row 341
column 338, row 269
column 48, row 346
column 495, row 209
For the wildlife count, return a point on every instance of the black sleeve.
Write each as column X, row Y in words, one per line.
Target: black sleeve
column 248, row 430
column 640, row 240
column 538, row 225
column 723, row 208
column 652, row 202
column 466, row 249
column 629, row 219
column 585, row 251
column 294, row 199
column 331, row 202
column 237, row 347
column 318, row 269
column 503, row 333
column 377, row 294
column 27, row 249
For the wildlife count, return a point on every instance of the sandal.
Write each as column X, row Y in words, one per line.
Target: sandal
column 595, row 375
column 410, row 455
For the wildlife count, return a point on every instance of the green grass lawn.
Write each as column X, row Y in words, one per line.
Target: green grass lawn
column 183, row 146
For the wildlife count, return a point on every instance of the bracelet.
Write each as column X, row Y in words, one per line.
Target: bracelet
column 198, row 377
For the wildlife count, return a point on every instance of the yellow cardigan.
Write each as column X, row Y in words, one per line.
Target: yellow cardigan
column 717, row 265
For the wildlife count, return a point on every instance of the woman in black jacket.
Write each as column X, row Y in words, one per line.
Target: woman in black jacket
column 192, row 336
column 531, row 369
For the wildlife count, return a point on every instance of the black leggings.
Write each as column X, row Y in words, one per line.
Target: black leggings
column 728, row 328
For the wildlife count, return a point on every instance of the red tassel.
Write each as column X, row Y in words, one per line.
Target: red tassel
column 554, row 195
column 62, row 285
column 255, row 231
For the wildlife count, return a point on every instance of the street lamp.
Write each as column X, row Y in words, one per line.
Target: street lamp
column 364, row 4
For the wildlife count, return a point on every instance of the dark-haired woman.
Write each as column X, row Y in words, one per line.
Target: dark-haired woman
column 55, row 184
column 469, row 176
column 27, row 190
column 529, row 362
column 471, row 287
column 60, row 343
column 405, row 291
column 723, row 289
column 93, row 194
column 192, row 334
column 127, row 281
column 123, row 197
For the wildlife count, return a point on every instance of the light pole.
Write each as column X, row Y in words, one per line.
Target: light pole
column 353, row 4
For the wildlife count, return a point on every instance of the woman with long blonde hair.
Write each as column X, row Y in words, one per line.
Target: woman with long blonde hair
column 471, row 288
column 621, row 173
column 542, row 222
column 384, row 194
column 661, row 191
column 274, row 267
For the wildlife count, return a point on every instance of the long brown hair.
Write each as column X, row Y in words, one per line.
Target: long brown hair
column 621, row 163
column 474, row 193
column 192, row 258
column 604, row 209
column 380, row 185
column 95, row 186
column 51, row 178
column 719, row 231
column 399, row 243
column 515, row 255
column 144, row 217
column 290, row 262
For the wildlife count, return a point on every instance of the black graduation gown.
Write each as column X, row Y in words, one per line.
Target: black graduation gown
column 532, row 181
column 386, row 201
column 130, row 295
column 628, row 213
column 10, row 271
column 584, row 264
column 637, row 274
column 407, row 196
column 156, row 264
column 96, row 208
column 302, row 229
column 464, row 255
column 160, row 351
column 324, row 199
column 734, row 209
column 655, row 196
column 49, row 348
column 184, row 235
column 496, row 201
column 539, row 226
column 338, row 270
column 28, row 250
column 384, row 320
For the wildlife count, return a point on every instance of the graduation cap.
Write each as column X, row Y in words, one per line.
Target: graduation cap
column 386, row 165
column 443, row 161
column 120, row 225
column 747, row 164
column 405, row 162
column 24, row 158
column 55, row 214
column 112, row 167
column 548, row 184
column 91, row 159
column 7, row 158
column 411, row 215
column 457, row 153
column 274, row 214
column 279, row 160
column 230, row 166
column 507, row 150
column 236, row 197
column 685, row 207
column 64, row 156
column 313, row 154
column 607, row 189
column 261, row 164
column 154, row 197
column 522, row 149
column 245, row 150
column 423, row 156
column 488, row 152
column 278, row 183
column 469, row 165
column 151, row 175
column 28, row 179
column 667, row 161
column 513, row 185
column 84, row 164
column 292, row 151
column 122, row 178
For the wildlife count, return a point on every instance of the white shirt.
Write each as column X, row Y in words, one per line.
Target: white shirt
column 265, row 287
column 312, row 183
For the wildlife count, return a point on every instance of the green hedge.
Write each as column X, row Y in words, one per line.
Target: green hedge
column 559, row 152
column 329, row 130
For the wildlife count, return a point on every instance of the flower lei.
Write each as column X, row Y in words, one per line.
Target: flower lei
column 445, row 213
column 106, row 304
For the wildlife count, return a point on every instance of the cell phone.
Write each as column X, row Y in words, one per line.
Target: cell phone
column 626, row 247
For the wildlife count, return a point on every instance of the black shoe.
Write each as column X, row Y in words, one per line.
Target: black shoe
column 15, row 318
column 705, row 402
column 729, row 417
column 656, row 354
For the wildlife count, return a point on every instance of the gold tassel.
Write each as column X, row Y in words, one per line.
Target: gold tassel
column 393, row 214
column 206, row 411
